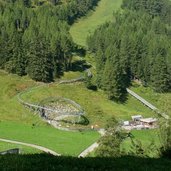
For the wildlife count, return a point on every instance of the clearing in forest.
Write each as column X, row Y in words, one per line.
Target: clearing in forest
column 86, row 25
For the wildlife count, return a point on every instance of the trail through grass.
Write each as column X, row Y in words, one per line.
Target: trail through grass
column 16, row 122
column 87, row 25
column 63, row 142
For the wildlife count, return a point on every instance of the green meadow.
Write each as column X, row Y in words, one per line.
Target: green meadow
column 87, row 25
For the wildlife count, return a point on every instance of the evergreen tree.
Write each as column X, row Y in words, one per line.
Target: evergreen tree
column 113, row 76
column 160, row 77
column 40, row 66
column 100, row 63
column 110, row 143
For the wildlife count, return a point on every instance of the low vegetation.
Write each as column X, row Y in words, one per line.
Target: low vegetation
column 48, row 162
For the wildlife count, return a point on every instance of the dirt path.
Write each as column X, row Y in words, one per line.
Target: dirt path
column 46, row 150
column 93, row 146
column 89, row 149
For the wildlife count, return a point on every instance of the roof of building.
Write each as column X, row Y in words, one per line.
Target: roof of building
column 148, row 120
column 136, row 116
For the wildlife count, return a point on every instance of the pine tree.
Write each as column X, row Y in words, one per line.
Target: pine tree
column 125, row 59
column 160, row 77
column 100, row 63
column 113, row 76
column 40, row 66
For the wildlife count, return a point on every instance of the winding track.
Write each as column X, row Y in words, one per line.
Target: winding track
column 39, row 107
column 46, row 150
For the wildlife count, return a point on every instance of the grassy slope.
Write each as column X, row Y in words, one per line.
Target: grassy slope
column 98, row 108
column 63, row 142
column 16, row 121
column 87, row 25
column 161, row 100
column 103, row 12
column 10, row 109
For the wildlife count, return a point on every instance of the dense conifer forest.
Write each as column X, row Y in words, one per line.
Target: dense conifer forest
column 34, row 36
column 136, row 45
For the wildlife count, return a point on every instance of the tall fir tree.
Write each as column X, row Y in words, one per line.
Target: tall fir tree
column 40, row 67
column 160, row 77
column 113, row 76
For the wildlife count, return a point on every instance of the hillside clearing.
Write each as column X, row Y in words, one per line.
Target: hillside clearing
column 87, row 25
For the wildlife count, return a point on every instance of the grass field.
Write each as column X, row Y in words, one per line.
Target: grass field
column 23, row 149
column 85, row 26
column 16, row 121
column 63, row 142
column 98, row 109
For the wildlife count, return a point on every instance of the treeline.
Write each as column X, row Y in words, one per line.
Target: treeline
column 137, row 45
column 35, row 38
column 37, row 162
column 155, row 8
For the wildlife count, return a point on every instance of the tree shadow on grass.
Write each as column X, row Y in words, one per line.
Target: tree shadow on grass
column 80, row 66
column 45, row 162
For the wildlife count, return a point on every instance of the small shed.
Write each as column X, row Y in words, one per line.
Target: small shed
column 136, row 117
column 126, row 123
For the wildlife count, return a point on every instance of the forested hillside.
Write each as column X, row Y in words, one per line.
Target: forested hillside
column 137, row 45
column 34, row 36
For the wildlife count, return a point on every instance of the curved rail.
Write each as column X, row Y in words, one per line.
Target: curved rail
column 42, row 109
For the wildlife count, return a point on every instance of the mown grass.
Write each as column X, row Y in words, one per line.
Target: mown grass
column 87, row 25
column 63, row 142
column 23, row 149
column 16, row 121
